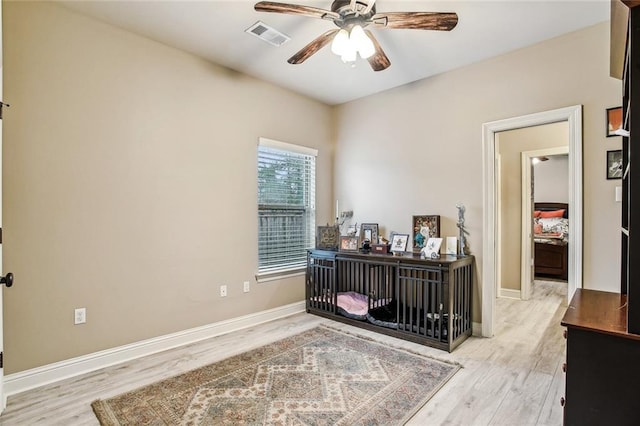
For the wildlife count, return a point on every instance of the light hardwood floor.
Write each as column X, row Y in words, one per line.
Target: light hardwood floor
column 514, row 378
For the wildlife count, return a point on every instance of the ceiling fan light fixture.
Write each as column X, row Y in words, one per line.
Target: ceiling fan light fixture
column 353, row 16
column 340, row 43
column 348, row 45
column 362, row 42
column 350, row 54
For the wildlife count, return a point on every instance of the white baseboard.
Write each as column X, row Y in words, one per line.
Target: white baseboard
column 40, row 376
column 510, row 294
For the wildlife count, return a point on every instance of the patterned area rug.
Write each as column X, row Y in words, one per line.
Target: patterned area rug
column 319, row 377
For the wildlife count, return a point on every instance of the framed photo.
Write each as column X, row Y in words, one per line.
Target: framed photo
column 424, row 227
column 614, row 164
column 399, row 243
column 349, row 243
column 452, row 246
column 391, row 234
column 432, row 248
column 327, row 237
column 614, row 121
column 369, row 231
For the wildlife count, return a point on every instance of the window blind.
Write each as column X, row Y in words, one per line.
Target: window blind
column 286, row 205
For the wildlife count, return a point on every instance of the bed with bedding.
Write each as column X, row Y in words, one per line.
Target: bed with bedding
column 551, row 239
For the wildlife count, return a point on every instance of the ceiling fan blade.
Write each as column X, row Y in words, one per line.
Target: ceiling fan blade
column 379, row 60
column 312, row 47
column 295, row 9
column 416, row 20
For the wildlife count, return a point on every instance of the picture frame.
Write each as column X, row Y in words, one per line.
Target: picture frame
column 614, row 121
column 369, row 231
column 614, row 164
column 327, row 237
column 432, row 248
column 399, row 243
column 451, row 247
column 391, row 234
column 349, row 243
column 432, row 222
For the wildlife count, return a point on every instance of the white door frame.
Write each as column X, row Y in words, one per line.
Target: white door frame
column 526, row 256
column 3, row 398
column 498, row 219
column 573, row 115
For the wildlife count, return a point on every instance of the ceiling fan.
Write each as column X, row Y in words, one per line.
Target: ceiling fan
column 351, row 38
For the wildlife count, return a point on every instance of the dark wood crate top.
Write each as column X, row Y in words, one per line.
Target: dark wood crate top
column 598, row 311
column 405, row 257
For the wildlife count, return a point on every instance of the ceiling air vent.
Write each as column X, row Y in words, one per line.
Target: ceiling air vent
column 268, row 34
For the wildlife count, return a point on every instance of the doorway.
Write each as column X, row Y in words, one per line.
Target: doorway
column 550, row 186
column 573, row 116
column 515, row 150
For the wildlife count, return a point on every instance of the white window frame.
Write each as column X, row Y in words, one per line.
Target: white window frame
column 274, row 272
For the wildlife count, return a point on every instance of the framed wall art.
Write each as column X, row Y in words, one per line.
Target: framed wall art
column 399, row 243
column 614, row 164
column 425, row 227
column 614, row 121
column 349, row 243
column 369, row 231
column 327, row 237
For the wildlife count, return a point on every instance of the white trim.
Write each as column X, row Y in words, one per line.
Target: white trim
column 509, row 293
column 526, row 227
column 284, row 146
column 264, row 277
column 526, row 255
column 40, row 376
column 498, row 217
column 3, row 397
column 573, row 115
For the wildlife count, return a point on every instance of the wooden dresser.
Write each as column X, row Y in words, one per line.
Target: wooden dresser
column 551, row 260
column 603, row 361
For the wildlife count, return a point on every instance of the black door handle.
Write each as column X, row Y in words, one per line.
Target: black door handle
column 7, row 279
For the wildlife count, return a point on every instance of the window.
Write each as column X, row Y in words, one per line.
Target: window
column 286, row 205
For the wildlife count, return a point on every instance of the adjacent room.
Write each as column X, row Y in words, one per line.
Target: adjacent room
column 190, row 189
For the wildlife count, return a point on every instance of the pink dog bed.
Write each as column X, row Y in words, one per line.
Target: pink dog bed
column 353, row 305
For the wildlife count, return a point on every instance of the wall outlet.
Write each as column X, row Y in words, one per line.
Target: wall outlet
column 223, row 291
column 247, row 286
column 80, row 316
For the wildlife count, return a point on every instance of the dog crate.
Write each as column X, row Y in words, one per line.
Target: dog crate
column 423, row 300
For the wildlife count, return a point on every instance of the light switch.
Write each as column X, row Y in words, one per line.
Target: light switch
column 618, row 194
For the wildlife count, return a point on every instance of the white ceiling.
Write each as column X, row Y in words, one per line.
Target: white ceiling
column 214, row 30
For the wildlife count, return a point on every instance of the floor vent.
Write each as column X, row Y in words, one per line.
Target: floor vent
column 268, row 34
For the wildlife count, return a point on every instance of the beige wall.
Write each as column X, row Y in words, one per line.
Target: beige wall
column 417, row 149
column 510, row 145
column 130, row 172
column 552, row 179
column 130, row 185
